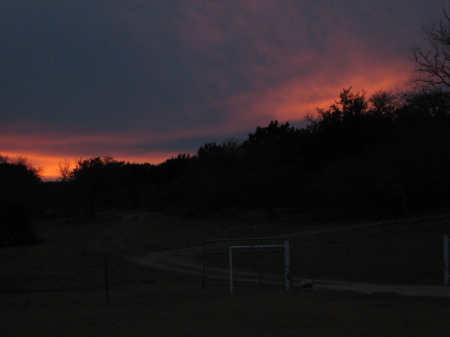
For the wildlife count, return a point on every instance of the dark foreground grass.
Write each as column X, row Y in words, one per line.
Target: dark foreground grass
column 182, row 309
column 403, row 252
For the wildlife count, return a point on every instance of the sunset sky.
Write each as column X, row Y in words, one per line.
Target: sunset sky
column 145, row 80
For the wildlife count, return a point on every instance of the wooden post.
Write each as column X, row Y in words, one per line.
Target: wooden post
column 287, row 265
column 446, row 278
column 106, row 281
column 230, row 257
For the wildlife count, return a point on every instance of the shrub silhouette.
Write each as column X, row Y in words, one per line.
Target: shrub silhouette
column 16, row 226
column 18, row 199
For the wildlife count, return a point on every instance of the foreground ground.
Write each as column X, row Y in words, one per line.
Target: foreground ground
column 58, row 288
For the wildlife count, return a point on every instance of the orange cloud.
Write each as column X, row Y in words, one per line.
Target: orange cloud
column 291, row 101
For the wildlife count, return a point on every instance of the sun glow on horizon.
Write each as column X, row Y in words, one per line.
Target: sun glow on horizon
column 49, row 166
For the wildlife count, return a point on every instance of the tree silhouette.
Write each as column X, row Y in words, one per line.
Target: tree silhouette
column 96, row 181
column 432, row 65
column 272, row 160
column 64, row 169
column 18, row 200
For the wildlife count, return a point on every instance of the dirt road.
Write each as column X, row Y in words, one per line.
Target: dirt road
column 184, row 261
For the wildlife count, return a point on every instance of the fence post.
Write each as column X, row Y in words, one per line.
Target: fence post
column 106, row 281
column 287, row 264
column 230, row 257
column 204, row 266
column 446, row 278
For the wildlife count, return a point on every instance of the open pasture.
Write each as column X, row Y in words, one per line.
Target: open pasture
column 58, row 288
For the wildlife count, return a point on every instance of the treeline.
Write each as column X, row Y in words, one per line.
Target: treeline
column 361, row 157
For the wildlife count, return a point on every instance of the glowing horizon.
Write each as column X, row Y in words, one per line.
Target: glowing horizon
column 49, row 165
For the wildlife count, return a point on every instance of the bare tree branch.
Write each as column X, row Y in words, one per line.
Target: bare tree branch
column 432, row 66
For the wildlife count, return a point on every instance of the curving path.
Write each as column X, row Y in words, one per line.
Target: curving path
column 182, row 261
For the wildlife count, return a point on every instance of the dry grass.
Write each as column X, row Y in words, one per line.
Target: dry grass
column 57, row 289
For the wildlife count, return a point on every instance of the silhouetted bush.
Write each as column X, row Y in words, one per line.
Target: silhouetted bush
column 16, row 225
column 18, row 201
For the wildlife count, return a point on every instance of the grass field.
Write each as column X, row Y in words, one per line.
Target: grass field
column 58, row 288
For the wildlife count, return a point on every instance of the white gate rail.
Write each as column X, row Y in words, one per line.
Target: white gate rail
column 287, row 261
